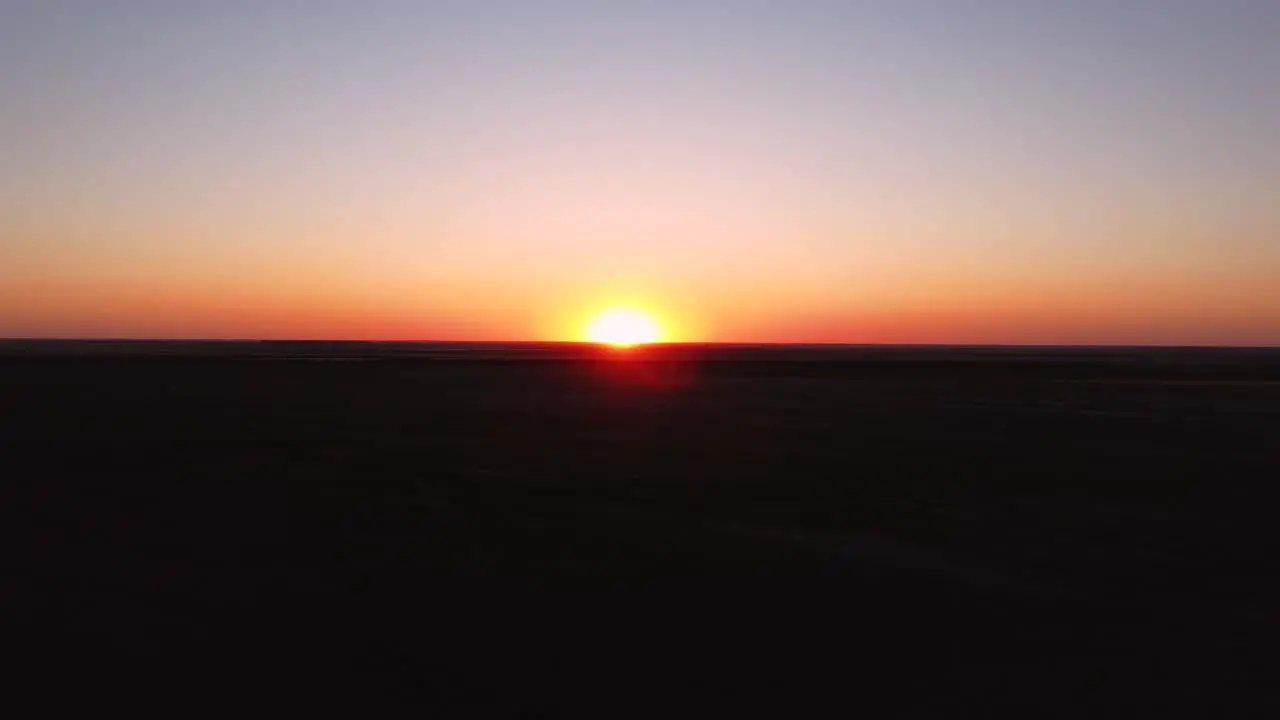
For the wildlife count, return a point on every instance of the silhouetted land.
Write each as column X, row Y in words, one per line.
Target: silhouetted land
column 539, row 530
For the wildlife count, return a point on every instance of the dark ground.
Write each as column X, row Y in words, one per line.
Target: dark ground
column 539, row 531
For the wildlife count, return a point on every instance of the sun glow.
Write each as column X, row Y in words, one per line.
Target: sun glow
column 623, row 327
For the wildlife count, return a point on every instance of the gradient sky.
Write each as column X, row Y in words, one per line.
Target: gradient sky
column 984, row 171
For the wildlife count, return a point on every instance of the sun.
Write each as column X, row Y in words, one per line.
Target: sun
column 623, row 327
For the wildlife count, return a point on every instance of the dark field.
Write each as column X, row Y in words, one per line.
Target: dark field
column 543, row 530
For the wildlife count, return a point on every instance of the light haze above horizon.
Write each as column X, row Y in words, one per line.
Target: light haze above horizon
column 895, row 171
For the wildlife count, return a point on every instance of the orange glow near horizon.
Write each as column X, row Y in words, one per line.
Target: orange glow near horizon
column 317, row 305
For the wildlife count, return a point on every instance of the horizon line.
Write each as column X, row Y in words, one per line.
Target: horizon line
column 9, row 339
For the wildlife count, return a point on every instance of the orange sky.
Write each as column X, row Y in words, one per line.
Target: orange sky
column 808, row 172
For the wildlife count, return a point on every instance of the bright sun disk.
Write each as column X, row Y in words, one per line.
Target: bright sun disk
column 623, row 327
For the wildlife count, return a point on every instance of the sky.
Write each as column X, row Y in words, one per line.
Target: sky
column 855, row 171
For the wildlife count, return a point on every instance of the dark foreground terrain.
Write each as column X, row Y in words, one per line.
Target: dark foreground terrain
column 546, row 531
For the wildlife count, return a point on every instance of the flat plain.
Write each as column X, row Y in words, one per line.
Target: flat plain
column 542, row 530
